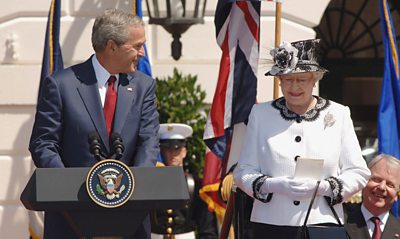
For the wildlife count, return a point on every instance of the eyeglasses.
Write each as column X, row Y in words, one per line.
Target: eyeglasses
column 299, row 81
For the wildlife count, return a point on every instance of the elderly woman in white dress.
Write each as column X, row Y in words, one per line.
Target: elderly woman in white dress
column 298, row 125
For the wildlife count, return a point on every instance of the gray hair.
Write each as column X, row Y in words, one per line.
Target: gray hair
column 389, row 160
column 113, row 25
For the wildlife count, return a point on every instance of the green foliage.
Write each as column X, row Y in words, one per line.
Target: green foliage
column 99, row 190
column 180, row 100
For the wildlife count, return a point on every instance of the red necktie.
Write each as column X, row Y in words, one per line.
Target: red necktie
column 377, row 230
column 110, row 103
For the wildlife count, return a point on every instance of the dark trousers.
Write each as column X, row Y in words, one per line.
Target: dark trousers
column 266, row 231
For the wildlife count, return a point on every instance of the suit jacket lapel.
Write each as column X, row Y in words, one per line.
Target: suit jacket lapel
column 126, row 93
column 392, row 229
column 355, row 223
column 357, row 232
column 90, row 96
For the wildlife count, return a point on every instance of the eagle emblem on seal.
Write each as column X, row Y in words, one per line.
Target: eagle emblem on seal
column 110, row 183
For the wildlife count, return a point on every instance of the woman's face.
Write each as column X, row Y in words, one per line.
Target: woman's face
column 297, row 89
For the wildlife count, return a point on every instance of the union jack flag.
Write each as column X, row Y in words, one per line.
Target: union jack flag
column 237, row 26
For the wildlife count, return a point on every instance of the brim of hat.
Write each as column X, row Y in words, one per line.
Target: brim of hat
column 173, row 143
column 300, row 69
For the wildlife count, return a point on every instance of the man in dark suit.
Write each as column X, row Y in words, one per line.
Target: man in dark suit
column 71, row 104
column 372, row 219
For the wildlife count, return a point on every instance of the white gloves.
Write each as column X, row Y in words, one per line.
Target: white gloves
column 324, row 189
column 296, row 189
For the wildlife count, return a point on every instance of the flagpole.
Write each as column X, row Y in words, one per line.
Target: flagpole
column 228, row 217
column 134, row 7
column 278, row 16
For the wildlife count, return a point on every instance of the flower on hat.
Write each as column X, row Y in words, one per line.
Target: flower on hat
column 285, row 58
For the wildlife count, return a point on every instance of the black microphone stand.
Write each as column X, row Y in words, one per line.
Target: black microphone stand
column 95, row 146
column 116, row 145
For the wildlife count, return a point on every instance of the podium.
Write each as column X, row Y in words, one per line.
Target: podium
column 64, row 190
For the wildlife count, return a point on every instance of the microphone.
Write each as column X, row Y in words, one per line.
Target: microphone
column 95, row 147
column 117, row 146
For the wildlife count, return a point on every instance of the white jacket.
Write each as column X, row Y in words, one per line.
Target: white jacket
column 270, row 147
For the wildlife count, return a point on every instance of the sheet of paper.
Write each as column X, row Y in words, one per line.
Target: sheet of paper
column 309, row 168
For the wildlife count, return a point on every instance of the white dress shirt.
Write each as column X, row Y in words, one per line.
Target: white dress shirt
column 102, row 77
column 371, row 226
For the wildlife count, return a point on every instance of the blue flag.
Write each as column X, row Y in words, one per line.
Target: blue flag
column 52, row 61
column 389, row 106
column 52, row 57
column 144, row 63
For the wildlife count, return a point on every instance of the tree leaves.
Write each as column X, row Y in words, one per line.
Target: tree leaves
column 181, row 100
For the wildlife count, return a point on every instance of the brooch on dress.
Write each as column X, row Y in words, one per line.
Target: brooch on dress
column 329, row 120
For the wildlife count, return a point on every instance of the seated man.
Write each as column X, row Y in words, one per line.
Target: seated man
column 377, row 199
column 194, row 221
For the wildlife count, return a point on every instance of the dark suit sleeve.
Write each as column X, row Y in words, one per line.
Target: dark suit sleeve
column 148, row 142
column 44, row 143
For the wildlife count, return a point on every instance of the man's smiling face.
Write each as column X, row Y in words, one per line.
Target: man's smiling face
column 381, row 190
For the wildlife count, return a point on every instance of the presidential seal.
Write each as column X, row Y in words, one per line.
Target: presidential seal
column 110, row 183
